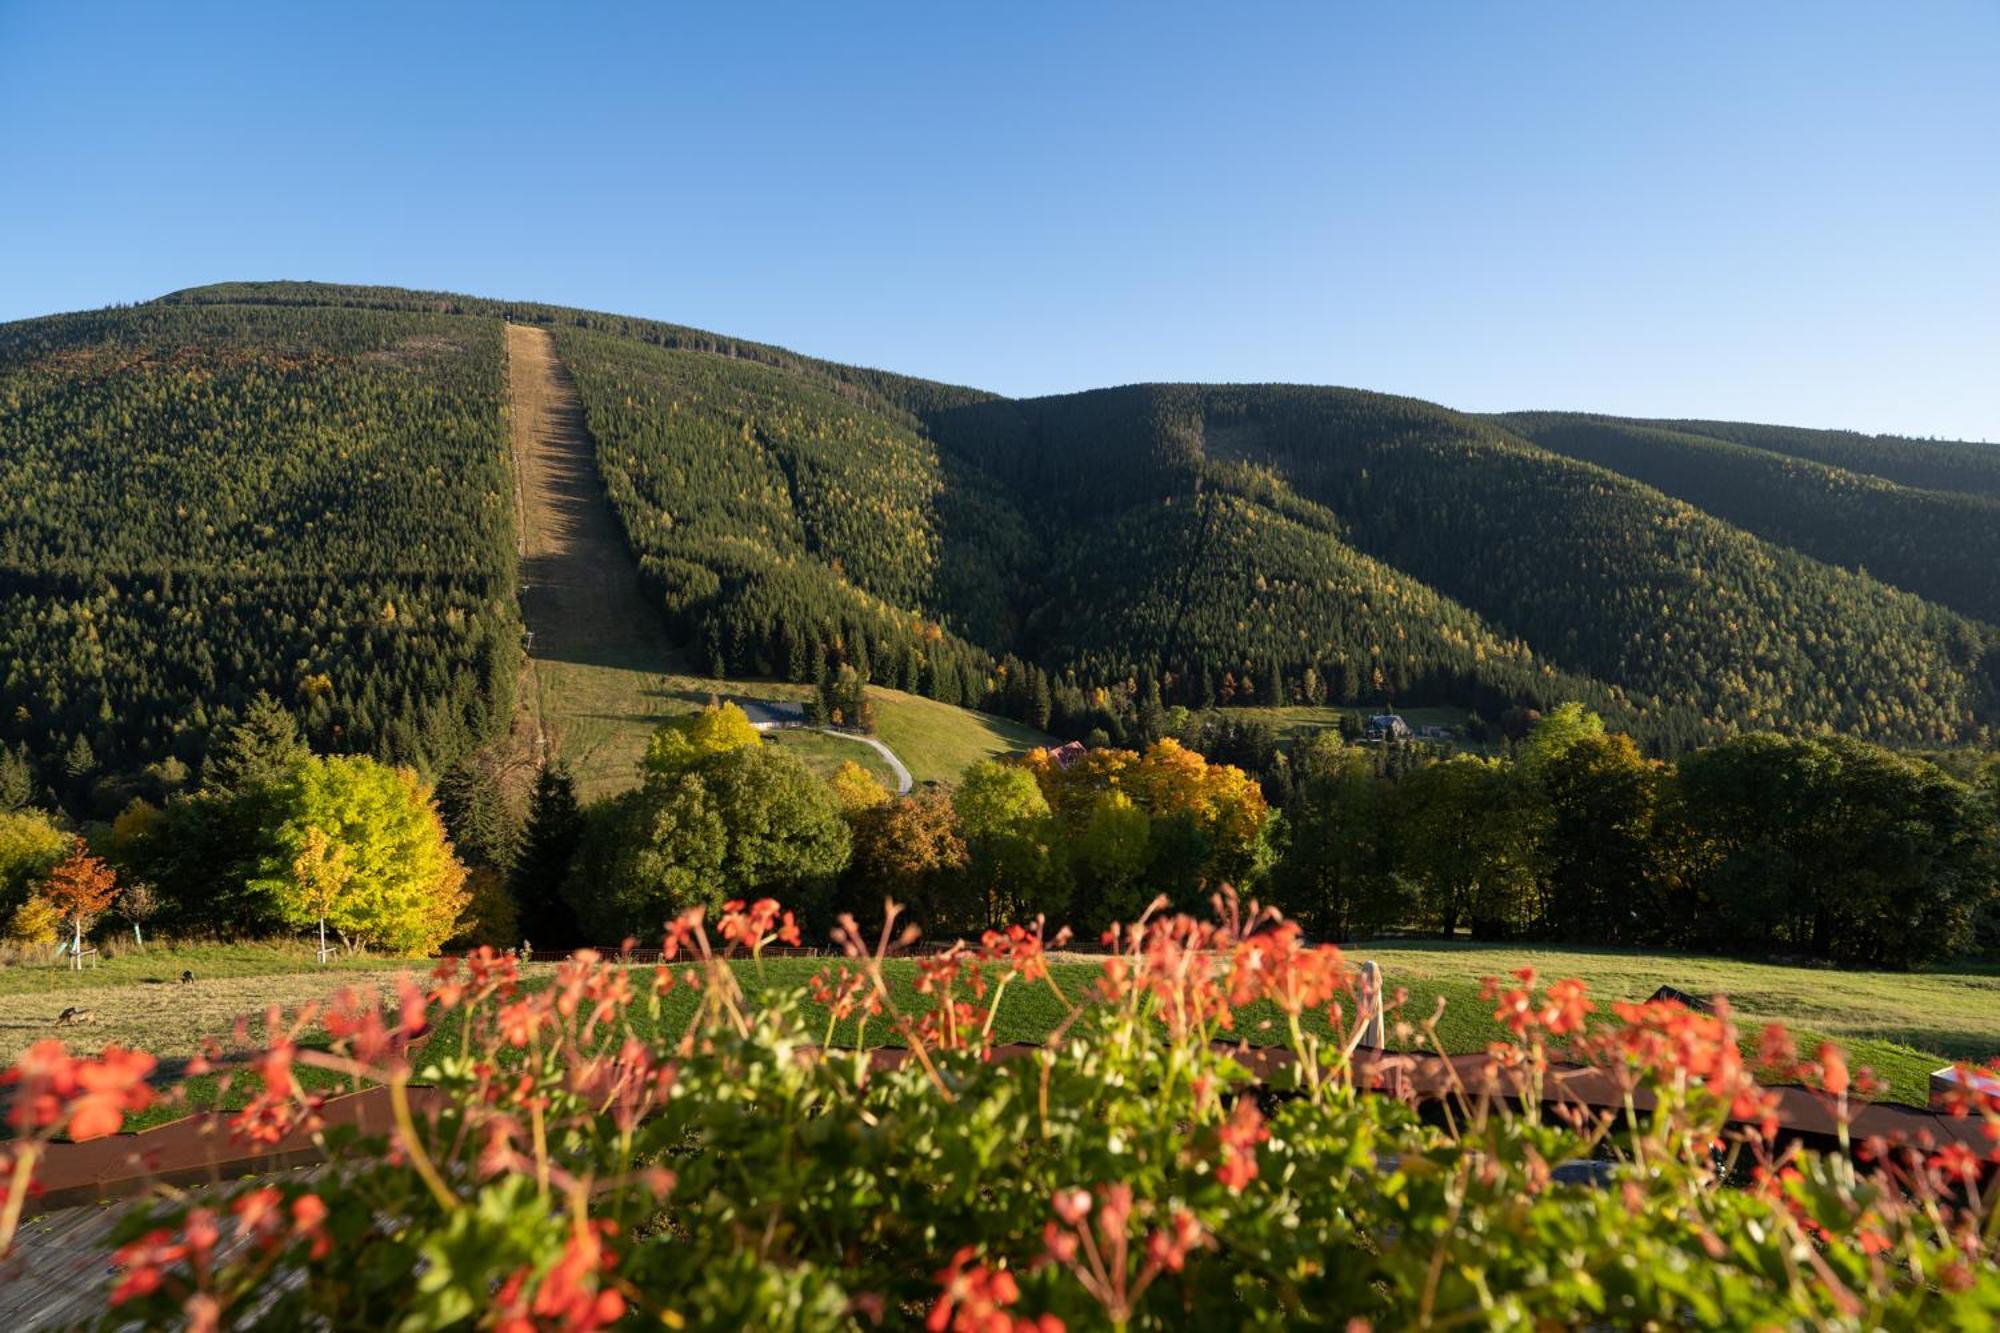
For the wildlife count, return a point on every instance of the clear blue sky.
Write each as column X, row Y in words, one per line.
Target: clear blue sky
column 1750, row 210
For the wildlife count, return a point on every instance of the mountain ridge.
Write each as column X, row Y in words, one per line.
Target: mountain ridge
column 1076, row 560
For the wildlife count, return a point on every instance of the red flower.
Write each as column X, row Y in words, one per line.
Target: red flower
column 975, row 1300
column 1169, row 1248
column 94, row 1095
column 1957, row 1162
column 1833, row 1069
column 1240, row 1136
column 1568, row 1005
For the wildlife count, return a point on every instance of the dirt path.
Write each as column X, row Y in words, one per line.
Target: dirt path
column 599, row 650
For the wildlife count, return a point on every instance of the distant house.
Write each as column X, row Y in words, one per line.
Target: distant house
column 1387, row 727
column 1433, row 733
column 1062, row 756
column 772, row 714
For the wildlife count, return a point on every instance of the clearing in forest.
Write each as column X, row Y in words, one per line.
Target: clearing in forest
column 595, row 682
column 602, row 672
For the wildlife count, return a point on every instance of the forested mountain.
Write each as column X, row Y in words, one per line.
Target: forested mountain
column 199, row 504
column 1942, row 545
column 1942, row 465
column 306, row 490
column 1700, row 624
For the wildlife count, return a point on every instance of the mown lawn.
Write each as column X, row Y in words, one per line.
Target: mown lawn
column 939, row 742
column 1901, row 1026
column 824, row 753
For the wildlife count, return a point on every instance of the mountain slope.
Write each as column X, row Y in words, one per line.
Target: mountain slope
column 1942, row 465
column 196, row 504
column 1941, row 545
column 307, row 489
column 1597, row 574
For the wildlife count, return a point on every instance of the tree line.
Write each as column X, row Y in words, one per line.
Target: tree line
column 1823, row 848
column 1816, row 847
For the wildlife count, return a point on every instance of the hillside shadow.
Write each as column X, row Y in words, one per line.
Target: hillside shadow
column 582, row 599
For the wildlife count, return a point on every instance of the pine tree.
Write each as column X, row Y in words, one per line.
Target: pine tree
column 482, row 827
column 79, row 766
column 17, row 780
column 554, row 828
column 256, row 751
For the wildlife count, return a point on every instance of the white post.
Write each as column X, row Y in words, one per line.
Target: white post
column 1374, row 1028
column 76, row 946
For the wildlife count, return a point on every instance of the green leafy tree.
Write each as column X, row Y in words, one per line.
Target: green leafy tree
column 31, row 843
column 403, row 890
column 741, row 822
column 1335, row 874
column 1111, row 858
column 201, row 853
column 1601, row 855
column 1554, row 734
column 1834, row 847
column 1465, row 834
column 1014, row 869
column 491, row 917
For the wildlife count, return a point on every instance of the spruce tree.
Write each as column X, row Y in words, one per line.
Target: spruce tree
column 17, row 780
column 256, row 751
column 483, row 829
column 548, row 845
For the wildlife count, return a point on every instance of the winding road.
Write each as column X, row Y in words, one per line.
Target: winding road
column 903, row 780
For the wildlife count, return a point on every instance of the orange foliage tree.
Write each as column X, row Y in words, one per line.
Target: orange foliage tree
column 80, row 888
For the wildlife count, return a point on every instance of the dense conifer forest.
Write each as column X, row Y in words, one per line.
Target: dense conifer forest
column 1940, row 544
column 197, row 504
column 306, row 490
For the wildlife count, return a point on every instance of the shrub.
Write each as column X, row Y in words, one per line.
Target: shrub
column 33, row 922
column 579, row 1164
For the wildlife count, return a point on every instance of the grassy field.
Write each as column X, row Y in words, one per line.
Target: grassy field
column 137, row 997
column 939, row 742
column 1300, row 719
column 1901, row 1026
column 824, row 753
column 610, row 711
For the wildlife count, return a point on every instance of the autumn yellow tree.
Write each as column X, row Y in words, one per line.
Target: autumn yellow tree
column 855, row 789
column 683, row 742
column 321, row 873
column 361, row 845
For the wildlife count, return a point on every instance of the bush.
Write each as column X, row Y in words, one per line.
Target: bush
column 584, row 1164
column 34, row 922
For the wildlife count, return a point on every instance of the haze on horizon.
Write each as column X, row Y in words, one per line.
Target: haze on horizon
column 1780, row 213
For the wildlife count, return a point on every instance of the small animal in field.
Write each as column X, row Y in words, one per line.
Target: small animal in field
column 187, row 978
column 1684, row 1000
column 73, row 1016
